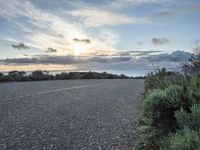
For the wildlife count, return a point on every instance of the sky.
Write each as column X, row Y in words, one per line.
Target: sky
column 97, row 34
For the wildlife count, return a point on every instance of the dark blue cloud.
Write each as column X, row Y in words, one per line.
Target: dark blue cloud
column 176, row 56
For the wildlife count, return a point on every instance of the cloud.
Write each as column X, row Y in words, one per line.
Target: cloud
column 93, row 17
column 51, row 50
column 42, row 59
column 119, row 59
column 118, row 4
column 86, row 41
column 197, row 42
column 163, row 13
column 42, row 27
column 176, row 8
column 20, row 46
column 140, row 43
column 121, row 53
column 166, row 8
column 68, row 59
column 159, row 41
column 177, row 56
column 127, row 62
column 135, row 53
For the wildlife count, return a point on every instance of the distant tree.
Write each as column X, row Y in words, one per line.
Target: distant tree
column 41, row 75
column 73, row 75
column 16, row 76
column 45, row 75
column 110, row 76
column 1, row 77
column 61, row 76
column 91, row 75
column 122, row 76
column 38, row 75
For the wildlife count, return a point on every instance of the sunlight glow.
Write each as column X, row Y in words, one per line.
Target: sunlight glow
column 79, row 49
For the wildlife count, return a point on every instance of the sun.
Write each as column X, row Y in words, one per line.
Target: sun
column 79, row 49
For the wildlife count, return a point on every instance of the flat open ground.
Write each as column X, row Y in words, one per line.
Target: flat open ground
column 70, row 115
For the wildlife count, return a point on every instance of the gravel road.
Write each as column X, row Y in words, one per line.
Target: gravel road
column 70, row 115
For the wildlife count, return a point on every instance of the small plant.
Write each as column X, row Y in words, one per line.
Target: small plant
column 161, row 79
column 185, row 139
column 190, row 120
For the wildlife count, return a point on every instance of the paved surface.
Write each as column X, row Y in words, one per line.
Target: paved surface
column 70, row 115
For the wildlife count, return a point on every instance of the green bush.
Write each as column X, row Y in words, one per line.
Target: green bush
column 161, row 79
column 190, row 120
column 193, row 89
column 61, row 76
column 91, row 75
column 1, row 77
column 158, row 115
column 44, row 75
column 73, row 75
column 171, row 109
column 185, row 139
column 41, row 75
column 160, row 105
column 16, row 76
column 149, row 138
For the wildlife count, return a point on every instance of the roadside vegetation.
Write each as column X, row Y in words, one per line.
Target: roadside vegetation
column 170, row 117
column 45, row 75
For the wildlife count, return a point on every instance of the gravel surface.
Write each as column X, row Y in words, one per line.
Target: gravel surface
column 70, row 115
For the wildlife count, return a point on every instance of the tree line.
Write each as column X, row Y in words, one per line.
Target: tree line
column 39, row 75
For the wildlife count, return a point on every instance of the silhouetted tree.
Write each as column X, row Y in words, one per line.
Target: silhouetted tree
column 73, row 75
column 62, row 76
column 41, row 75
column 44, row 75
column 91, row 75
column 16, row 76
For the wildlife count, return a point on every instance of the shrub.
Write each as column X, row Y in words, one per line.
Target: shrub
column 149, row 139
column 185, row 139
column 171, row 109
column 73, row 75
column 161, row 79
column 158, row 115
column 91, row 75
column 160, row 105
column 44, row 75
column 190, row 120
column 193, row 89
column 16, row 76
column 41, row 75
column 61, row 76
column 111, row 76
column 1, row 77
